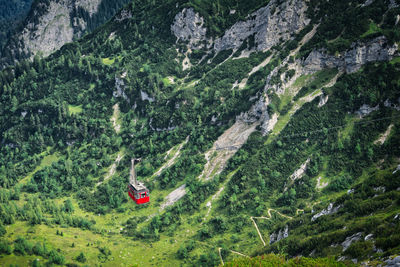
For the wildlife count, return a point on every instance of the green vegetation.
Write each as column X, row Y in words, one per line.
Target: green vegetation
column 318, row 80
column 218, row 15
column 12, row 13
column 17, row 14
column 74, row 109
column 373, row 29
column 62, row 181
column 108, row 61
column 395, row 60
column 342, row 23
column 271, row 260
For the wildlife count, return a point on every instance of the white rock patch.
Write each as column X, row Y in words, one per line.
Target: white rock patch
column 329, row 210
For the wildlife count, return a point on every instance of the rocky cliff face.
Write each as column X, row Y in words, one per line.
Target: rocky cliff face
column 270, row 25
column 329, row 210
column 46, row 31
column 351, row 61
column 274, row 24
column 51, row 32
column 51, row 24
column 189, row 26
column 258, row 112
column 279, row 235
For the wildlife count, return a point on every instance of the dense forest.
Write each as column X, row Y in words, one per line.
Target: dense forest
column 71, row 122
column 12, row 14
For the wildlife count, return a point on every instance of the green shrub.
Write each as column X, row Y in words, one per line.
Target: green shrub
column 5, row 247
column 360, row 250
column 56, row 258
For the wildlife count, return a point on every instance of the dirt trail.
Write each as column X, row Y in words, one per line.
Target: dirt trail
column 114, row 118
column 232, row 251
column 266, row 218
column 225, row 147
column 220, row 256
column 299, row 210
column 112, row 169
column 171, row 161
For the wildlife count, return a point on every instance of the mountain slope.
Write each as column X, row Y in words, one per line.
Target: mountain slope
column 51, row 24
column 270, row 126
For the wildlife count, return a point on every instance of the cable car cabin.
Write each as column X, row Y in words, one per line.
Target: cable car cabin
column 137, row 190
column 139, row 193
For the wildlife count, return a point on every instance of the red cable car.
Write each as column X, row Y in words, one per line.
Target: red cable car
column 137, row 190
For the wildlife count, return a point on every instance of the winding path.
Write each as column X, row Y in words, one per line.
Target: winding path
column 266, row 218
column 232, row 251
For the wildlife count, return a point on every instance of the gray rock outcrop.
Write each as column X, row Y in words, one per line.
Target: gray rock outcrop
column 323, row 99
column 145, row 97
column 395, row 262
column 329, row 210
column 393, row 4
column 350, row 239
column 277, row 236
column 397, row 169
column 271, row 25
column 55, row 27
column 376, row 50
column 389, row 104
column 123, row 15
column 351, row 61
column 368, row 237
column 297, row 174
column 365, row 110
column 318, row 60
column 120, row 89
column 52, row 31
column 258, row 112
column 50, row 25
column 189, row 26
column 367, row 3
